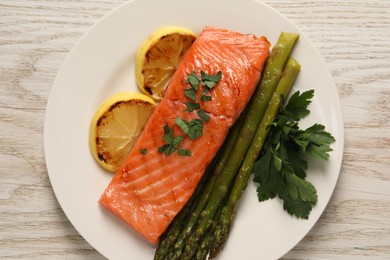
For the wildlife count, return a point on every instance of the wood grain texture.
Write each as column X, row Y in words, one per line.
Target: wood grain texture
column 353, row 36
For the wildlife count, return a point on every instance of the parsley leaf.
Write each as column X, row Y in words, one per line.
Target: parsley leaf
column 316, row 140
column 191, row 106
column 298, row 208
column 196, row 129
column 166, row 129
column 163, row 148
column 172, row 142
column 202, row 114
column 183, row 152
column 183, row 124
column 210, row 80
column 190, row 93
column 267, row 177
column 193, row 129
column 143, row 151
column 297, row 105
column 193, row 80
column 281, row 170
column 205, row 98
column 299, row 188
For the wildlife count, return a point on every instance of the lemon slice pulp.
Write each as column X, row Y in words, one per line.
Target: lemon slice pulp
column 116, row 126
column 158, row 58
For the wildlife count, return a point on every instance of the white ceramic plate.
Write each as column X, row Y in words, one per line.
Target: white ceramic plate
column 102, row 63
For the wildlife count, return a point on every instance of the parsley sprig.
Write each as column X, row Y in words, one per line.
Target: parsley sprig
column 281, row 170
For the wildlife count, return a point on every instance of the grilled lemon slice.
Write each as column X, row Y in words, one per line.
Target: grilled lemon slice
column 158, row 58
column 116, row 126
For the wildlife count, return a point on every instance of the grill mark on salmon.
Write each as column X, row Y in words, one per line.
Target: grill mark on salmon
column 150, row 189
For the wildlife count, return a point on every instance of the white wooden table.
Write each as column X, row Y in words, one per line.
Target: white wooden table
column 353, row 36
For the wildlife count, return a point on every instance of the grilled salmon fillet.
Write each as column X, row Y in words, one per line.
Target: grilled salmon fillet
column 151, row 188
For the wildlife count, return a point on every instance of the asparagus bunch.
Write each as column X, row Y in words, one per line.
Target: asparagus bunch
column 212, row 207
column 225, row 221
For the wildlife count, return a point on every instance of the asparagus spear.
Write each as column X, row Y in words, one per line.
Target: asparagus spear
column 229, row 210
column 196, row 248
column 205, row 242
column 257, row 107
column 203, row 250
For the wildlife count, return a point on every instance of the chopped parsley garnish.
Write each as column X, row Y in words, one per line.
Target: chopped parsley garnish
column 210, row 81
column 194, row 128
column 193, row 80
column 183, row 124
column 192, row 106
column 206, row 80
column 281, row 170
column 172, row 142
column 205, row 98
column 183, row 152
column 143, row 151
column 190, row 93
column 202, row 114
